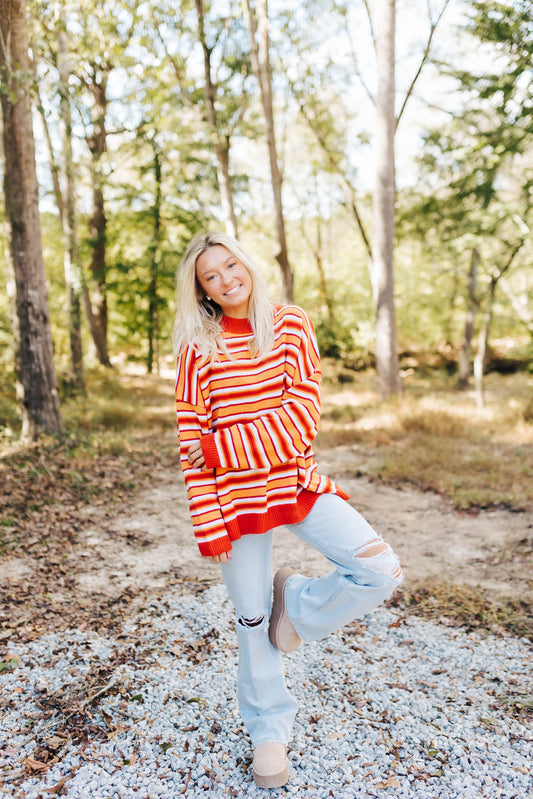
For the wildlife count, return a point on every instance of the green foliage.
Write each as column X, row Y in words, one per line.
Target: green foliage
column 508, row 26
column 476, row 191
column 130, row 262
column 475, row 186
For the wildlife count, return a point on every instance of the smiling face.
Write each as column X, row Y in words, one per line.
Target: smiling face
column 225, row 280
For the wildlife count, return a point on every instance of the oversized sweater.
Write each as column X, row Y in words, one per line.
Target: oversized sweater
column 256, row 419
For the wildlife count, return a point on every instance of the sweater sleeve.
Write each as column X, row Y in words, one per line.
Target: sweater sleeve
column 208, row 524
column 282, row 434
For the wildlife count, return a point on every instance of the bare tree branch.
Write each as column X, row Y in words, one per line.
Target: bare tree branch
column 349, row 190
column 425, row 57
column 354, row 54
column 178, row 71
column 524, row 314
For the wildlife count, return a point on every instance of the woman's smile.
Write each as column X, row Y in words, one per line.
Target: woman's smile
column 224, row 280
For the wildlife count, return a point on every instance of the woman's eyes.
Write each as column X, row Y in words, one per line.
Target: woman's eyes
column 211, row 277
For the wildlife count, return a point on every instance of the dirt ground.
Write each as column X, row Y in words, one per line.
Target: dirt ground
column 145, row 545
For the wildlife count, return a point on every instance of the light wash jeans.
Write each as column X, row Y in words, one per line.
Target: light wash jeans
column 366, row 572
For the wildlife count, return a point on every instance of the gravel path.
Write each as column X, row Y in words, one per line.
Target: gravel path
column 391, row 704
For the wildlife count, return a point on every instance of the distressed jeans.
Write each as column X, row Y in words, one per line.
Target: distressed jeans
column 365, row 572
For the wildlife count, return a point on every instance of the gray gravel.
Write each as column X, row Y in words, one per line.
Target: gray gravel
column 391, row 704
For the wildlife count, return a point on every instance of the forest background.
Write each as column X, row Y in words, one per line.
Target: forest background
column 278, row 122
column 150, row 126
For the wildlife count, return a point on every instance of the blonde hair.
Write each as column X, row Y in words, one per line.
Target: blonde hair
column 197, row 321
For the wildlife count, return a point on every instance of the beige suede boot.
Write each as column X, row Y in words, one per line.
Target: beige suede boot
column 281, row 631
column 270, row 766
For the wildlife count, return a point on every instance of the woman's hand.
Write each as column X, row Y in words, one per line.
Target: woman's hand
column 195, row 456
column 222, row 558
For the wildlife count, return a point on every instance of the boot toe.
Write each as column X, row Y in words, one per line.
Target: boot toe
column 270, row 766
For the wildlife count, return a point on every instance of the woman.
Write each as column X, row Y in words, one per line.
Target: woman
column 248, row 407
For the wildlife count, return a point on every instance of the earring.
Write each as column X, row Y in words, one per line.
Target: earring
column 208, row 298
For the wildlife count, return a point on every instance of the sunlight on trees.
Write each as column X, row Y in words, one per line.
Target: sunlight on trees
column 156, row 120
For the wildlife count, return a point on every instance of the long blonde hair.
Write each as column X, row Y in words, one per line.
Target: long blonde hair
column 197, row 321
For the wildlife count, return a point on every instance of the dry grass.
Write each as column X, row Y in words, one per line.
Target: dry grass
column 436, row 438
column 118, row 402
column 466, row 606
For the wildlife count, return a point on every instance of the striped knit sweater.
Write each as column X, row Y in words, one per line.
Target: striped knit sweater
column 256, row 419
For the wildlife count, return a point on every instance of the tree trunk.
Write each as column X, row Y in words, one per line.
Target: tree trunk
column 258, row 22
column 96, row 305
column 40, row 398
column 483, row 339
column 482, row 347
column 221, row 143
column 72, row 269
column 317, row 250
column 11, row 289
column 465, row 352
column 153, row 299
column 384, row 201
column 222, row 150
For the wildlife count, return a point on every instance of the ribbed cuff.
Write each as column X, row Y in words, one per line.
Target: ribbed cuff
column 209, row 449
column 216, row 547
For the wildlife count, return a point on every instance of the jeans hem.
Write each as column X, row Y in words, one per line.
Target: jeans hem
column 269, row 740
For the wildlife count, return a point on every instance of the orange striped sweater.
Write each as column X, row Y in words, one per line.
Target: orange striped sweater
column 256, row 419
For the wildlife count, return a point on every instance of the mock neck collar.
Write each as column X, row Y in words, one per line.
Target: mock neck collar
column 231, row 325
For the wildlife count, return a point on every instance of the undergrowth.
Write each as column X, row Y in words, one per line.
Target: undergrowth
column 435, row 437
column 466, row 606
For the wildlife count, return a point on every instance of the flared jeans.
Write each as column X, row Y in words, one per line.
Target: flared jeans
column 365, row 572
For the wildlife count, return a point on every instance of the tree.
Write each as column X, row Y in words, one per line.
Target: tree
column 36, row 369
column 320, row 119
column 258, row 24
column 155, row 260
column 465, row 352
column 65, row 195
column 100, row 37
column 96, row 305
column 481, row 182
column 220, row 100
column 479, row 361
column 325, row 126
column 74, row 280
column 221, row 142
column 384, row 202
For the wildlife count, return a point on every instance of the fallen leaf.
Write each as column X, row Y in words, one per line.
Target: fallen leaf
column 36, row 765
column 390, row 782
column 58, row 789
column 12, row 656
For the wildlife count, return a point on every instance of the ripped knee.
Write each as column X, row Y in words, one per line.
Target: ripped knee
column 250, row 624
column 380, row 556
